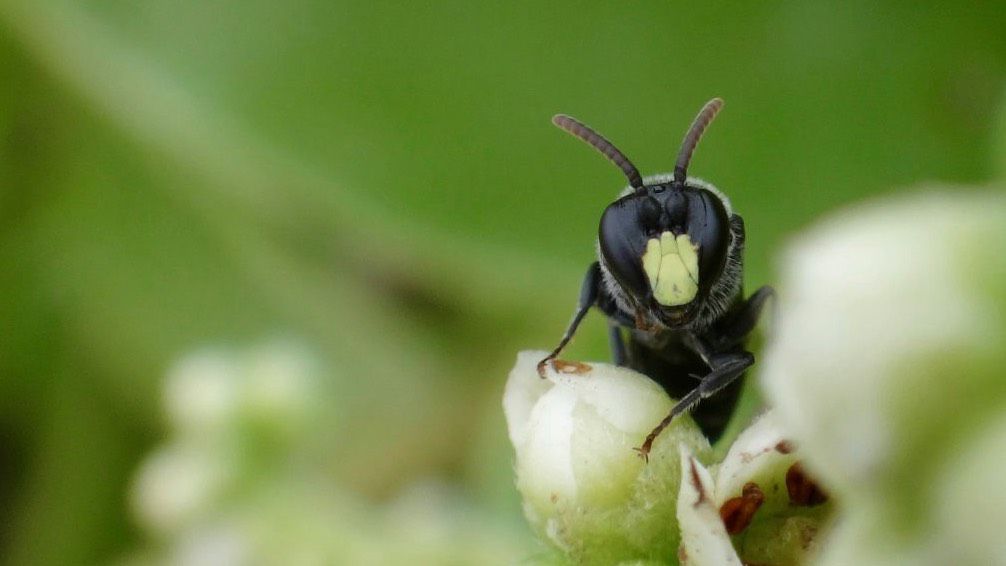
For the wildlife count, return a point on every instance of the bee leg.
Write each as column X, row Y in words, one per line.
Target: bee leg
column 725, row 369
column 743, row 322
column 588, row 296
column 618, row 354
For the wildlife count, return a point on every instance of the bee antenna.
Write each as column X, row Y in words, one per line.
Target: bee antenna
column 699, row 125
column 597, row 141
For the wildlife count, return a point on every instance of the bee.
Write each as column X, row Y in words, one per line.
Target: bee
column 669, row 276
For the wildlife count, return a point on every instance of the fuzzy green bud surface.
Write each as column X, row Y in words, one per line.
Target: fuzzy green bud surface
column 585, row 490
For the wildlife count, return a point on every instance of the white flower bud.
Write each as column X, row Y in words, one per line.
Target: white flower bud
column 775, row 509
column 962, row 517
column 887, row 371
column 201, row 392
column 704, row 539
column 761, row 454
column 584, row 488
column 178, row 484
column 890, row 334
column 279, row 392
column 213, row 545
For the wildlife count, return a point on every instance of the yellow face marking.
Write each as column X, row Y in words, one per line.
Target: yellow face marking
column 672, row 266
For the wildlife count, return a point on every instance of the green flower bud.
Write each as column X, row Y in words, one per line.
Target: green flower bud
column 585, row 491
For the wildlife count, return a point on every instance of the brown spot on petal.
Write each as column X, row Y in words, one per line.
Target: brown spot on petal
column 554, row 498
column 737, row 512
column 697, row 482
column 784, row 447
column 803, row 491
column 578, row 368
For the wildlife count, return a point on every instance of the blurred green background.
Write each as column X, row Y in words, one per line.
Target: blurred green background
column 378, row 183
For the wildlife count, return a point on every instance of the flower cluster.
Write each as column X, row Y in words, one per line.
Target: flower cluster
column 242, row 478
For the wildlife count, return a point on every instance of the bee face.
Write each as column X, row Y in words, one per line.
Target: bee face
column 665, row 245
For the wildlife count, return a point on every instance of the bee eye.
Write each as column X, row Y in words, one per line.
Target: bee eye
column 622, row 237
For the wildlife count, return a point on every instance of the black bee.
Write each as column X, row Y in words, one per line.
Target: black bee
column 669, row 271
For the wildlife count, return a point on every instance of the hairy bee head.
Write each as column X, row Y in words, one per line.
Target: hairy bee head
column 667, row 240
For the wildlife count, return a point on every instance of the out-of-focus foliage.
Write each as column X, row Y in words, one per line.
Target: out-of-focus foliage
column 380, row 181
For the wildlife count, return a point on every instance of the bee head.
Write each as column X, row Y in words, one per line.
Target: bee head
column 666, row 241
column 666, row 246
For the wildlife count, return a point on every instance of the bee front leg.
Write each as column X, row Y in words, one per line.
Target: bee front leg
column 588, row 297
column 725, row 369
column 618, row 355
column 741, row 324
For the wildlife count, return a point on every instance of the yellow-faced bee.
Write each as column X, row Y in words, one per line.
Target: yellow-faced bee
column 669, row 271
